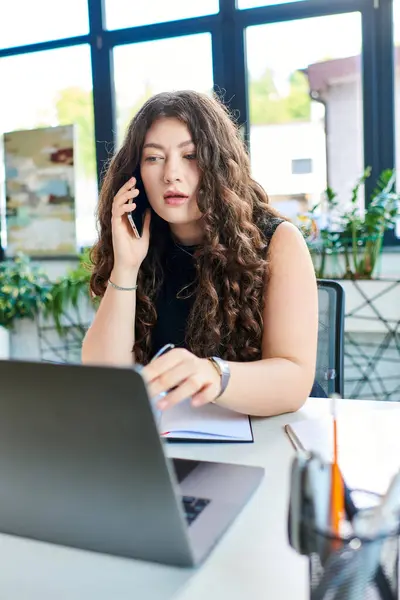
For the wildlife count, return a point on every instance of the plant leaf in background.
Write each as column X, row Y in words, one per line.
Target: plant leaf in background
column 350, row 232
column 68, row 291
column 24, row 290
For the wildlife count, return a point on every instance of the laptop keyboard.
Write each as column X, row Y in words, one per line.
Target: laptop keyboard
column 193, row 507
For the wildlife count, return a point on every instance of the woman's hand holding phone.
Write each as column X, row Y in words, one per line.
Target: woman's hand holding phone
column 129, row 251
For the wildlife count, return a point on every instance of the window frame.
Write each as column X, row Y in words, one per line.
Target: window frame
column 227, row 29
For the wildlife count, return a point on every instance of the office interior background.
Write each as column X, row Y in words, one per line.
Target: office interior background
column 313, row 84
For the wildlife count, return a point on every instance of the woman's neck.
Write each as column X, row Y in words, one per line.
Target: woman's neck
column 187, row 234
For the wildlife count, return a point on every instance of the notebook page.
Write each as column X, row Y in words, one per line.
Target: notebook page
column 206, row 422
column 368, row 446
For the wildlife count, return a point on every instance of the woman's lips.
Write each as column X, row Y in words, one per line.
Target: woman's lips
column 175, row 200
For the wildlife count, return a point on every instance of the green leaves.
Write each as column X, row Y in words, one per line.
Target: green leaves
column 353, row 232
column 67, row 292
column 25, row 290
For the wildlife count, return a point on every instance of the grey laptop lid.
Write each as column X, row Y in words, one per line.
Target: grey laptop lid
column 60, row 443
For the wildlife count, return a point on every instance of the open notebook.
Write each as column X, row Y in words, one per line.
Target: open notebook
column 209, row 423
column 368, row 445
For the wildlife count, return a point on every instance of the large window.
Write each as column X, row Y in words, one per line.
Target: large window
column 55, row 88
column 24, row 22
column 144, row 69
column 306, row 108
column 125, row 13
column 304, row 82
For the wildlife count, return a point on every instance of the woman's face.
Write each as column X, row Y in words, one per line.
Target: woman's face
column 170, row 172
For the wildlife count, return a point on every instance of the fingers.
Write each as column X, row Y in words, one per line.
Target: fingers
column 166, row 362
column 125, row 191
column 123, row 198
column 128, row 185
column 189, row 388
column 181, row 375
column 130, row 207
column 206, row 395
column 170, row 379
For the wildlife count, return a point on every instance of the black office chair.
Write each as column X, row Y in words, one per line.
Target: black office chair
column 330, row 351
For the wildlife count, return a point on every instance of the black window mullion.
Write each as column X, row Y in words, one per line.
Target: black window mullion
column 370, row 97
column 157, row 31
column 386, row 84
column 386, row 95
column 378, row 94
column 230, row 81
column 44, row 46
column 103, row 87
column 241, row 79
column 306, row 9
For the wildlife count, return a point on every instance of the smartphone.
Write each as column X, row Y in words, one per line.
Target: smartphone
column 136, row 218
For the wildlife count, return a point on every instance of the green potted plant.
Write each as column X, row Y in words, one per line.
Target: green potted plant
column 24, row 291
column 69, row 297
column 349, row 245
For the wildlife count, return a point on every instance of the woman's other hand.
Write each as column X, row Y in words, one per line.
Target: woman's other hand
column 183, row 375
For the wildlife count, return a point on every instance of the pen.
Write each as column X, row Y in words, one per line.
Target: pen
column 162, row 350
column 337, row 489
column 153, row 401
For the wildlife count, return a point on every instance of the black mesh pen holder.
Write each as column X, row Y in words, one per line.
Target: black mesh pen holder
column 357, row 570
column 354, row 567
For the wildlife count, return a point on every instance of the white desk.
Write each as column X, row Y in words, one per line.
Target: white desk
column 253, row 560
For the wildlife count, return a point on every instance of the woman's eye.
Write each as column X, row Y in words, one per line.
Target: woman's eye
column 191, row 156
column 152, row 158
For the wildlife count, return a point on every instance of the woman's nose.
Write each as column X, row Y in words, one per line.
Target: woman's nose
column 171, row 172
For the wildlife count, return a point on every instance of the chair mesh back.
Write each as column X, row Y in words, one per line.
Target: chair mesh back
column 329, row 329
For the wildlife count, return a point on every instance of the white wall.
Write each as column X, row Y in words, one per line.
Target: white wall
column 273, row 147
column 344, row 110
column 344, row 118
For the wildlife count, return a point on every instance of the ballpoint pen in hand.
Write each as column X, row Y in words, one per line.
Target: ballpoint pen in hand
column 161, row 395
column 157, row 413
column 162, row 351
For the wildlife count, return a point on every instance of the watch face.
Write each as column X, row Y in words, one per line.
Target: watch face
column 224, row 367
column 225, row 372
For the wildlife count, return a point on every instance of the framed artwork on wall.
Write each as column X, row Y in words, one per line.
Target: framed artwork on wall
column 40, row 192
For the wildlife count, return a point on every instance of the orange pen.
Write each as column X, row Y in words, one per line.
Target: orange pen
column 337, row 487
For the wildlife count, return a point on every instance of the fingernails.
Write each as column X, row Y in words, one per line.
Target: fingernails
column 196, row 402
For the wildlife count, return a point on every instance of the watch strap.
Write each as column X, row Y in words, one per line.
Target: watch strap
column 223, row 369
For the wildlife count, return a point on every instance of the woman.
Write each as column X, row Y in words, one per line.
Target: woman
column 216, row 272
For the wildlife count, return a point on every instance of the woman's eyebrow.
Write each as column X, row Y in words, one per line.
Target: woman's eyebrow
column 160, row 147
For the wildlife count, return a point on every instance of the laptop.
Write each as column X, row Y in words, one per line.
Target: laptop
column 82, row 464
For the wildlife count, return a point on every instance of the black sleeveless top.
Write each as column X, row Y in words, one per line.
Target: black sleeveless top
column 175, row 298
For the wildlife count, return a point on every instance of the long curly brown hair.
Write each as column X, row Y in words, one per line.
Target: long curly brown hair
column 226, row 317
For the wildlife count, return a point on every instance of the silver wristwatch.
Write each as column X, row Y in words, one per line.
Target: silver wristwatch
column 223, row 369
